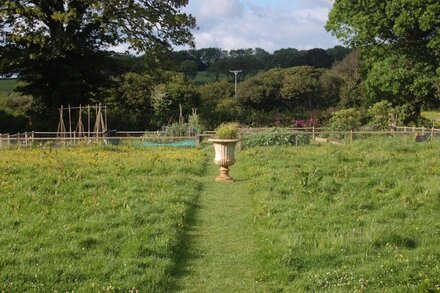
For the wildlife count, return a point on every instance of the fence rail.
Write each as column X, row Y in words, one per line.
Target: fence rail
column 68, row 138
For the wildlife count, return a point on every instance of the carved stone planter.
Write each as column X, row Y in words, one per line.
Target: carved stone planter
column 224, row 157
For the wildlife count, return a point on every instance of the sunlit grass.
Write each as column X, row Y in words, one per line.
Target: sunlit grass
column 94, row 219
column 6, row 86
column 361, row 217
column 354, row 218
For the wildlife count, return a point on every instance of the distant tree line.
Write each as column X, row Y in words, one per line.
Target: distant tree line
column 217, row 61
column 277, row 96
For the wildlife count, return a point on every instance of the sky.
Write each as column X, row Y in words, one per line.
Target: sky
column 266, row 24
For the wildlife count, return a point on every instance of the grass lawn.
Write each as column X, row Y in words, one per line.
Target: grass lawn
column 6, row 86
column 94, row 219
column 347, row 218
column 431, row 115
column 361, row 217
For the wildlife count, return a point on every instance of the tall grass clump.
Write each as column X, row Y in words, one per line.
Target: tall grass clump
column 94, row 219
column 227, row 130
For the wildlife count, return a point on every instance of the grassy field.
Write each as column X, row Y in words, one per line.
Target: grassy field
column 360, row 217
column 431, row 115
column 6, row 86
column 94, row 219
column 353, row 218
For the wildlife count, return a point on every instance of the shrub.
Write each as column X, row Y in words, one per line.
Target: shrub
column 345, row 120
column 275, row 139
column 192, row 128
column 194, row 124
column 177, row 129
column 381, row 114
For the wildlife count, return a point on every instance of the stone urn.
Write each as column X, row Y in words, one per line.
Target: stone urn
column 224, row 157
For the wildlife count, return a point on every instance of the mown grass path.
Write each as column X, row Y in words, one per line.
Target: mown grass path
column 220, row 246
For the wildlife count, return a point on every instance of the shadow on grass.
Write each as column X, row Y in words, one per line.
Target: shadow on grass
column 186, row 251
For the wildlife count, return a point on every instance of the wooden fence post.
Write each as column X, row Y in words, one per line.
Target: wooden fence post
column 198, row 140
column 9, row 140
column 405, row 134
column 351, row 136
column 313, row 135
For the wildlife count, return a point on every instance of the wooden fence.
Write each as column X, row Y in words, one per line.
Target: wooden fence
column 319, row 134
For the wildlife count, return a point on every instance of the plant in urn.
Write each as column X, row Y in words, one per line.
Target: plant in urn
column 224, row 146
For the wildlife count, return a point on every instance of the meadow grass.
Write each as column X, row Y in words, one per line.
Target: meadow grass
column 431, row 115
column 361, row 217
column 346, row 218
column 6, row 86
column 94, row 219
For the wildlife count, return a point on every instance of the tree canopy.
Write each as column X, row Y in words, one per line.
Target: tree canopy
column 400, row 42
column 60, row 48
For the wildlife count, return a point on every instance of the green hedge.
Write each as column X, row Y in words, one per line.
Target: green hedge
column 275, row 139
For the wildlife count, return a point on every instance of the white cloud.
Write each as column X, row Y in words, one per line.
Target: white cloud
column 224, row 8
column 271, row 25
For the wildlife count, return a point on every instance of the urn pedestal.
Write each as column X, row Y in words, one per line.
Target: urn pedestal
column 224, row 157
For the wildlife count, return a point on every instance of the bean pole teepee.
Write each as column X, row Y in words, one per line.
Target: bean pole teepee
column 99, row 115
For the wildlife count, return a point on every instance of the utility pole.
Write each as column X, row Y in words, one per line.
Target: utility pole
column 236, row 72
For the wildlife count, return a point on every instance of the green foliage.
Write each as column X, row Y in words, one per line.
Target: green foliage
column 262, row 92
column 227, row 130
column 229, row 110
column 193, row 127
column 382, row 115
column 301, row 85
column 16, row 103
column 167, row 97
column 318, row 58
column 14, row 110
column 60, row 48
column 216, row 91
column 276, row 89
column 409, row 114
column 189, row 68
column 12, row 123
column 345, row 120
column 399, row 40
column 338, row 52
column 218, row 103
column 275, row 138
column 347, row 81
column 130, row 102
column 7, row 86
column 177, row 129
column 95, row 219
column 194, row 124
column 401, row 79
